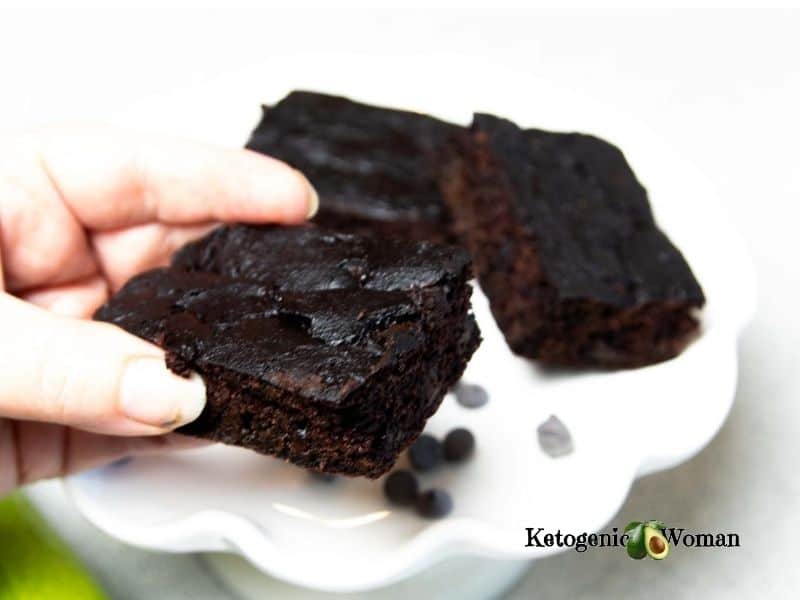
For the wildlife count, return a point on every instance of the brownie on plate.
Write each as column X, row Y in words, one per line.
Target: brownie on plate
column 374, row 168
column 326, row 349
column 566, row 247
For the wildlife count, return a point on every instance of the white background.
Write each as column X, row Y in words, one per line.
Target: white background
column 723, row 87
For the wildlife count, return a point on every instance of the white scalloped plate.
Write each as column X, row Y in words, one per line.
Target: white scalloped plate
column 343, row 536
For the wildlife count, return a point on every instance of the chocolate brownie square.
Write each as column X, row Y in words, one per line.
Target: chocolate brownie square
column 374, row 168
column 566, row 247
column 326, row 349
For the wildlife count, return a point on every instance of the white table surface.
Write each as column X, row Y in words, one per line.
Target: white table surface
column 723, row 87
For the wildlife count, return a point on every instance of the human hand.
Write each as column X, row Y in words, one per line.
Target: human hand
column 81, row 211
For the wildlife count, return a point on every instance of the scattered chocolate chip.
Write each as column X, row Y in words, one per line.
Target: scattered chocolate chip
column 401, row 488
column 470, row 395
column 434, row 504
column 322, row 477
column 554, row 438
column 426, row 453
column 458, row 445
column 121, row 462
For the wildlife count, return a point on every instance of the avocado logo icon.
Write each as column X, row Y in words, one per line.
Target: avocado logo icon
column 646, row 539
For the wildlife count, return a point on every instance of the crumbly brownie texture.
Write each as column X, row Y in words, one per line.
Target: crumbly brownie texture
column 374, row 168
column 325, row 349
column 566, row 248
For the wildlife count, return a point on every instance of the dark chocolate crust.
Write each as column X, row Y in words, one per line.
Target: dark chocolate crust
column 566, row 247
column 329, row 350
column 374, row 168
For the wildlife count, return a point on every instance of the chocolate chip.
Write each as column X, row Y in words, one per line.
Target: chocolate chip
column 470, row 395
column 434, row 504
column 554, row 437
column 401, row 488
column 323, row 477
column 458, row 445
column 426, row 453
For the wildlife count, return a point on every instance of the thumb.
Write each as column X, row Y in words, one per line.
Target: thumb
column 88, row 375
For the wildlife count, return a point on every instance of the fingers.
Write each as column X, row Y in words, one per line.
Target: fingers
column 33, row 451
column 88, row 375
column 40, row 240
column 126, row 252
column 55, row 186
column 121, row 255
column 78, row 300
column 114, row 179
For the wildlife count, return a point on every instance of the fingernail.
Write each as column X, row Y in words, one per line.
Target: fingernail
column 313, row 198
column 151, row 394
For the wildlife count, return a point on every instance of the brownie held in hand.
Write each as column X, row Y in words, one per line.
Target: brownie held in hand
column 329, row 350
column 374, row 168
column 566, row 247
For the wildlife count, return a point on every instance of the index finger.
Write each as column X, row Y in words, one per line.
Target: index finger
column 112, row 179
column 2, row 279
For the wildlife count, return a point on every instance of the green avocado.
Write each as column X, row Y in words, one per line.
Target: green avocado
column 34, row 562
column 655, row 543
column 635, row 545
